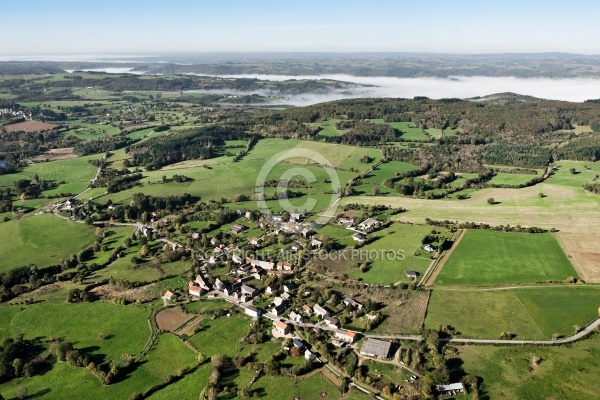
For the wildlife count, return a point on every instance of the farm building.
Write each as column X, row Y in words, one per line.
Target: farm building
column 331, row 322
column 452, row 388
column 411, row 273
column 359, row 237
column 309, row 355
column 250, row 291
column 237, row 228
column 169, row 295
column 278, row 310
column 376, row 348
column 295, row 317
column 430, row 248
column 368, row 223
column 351, row 302
column 272, row 288
column 194, row 289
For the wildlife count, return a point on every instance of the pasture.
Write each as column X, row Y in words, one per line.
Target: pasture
column 41, row 240
column 410, row 132
column 211, row 339
column 529, row 313
column 565, row 372
column 498, row 258
column 393, row 254
column 314, row 387
column 509, row 179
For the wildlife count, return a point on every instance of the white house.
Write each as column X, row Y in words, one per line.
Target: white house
column 368, row 223
column 320, row 311
column 295, row 317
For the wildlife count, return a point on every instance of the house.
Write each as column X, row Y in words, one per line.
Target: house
column 294, row 216
column 243, row 269
column 284, row 266
column 411, row 273
column 359, row 237
column 331, row 322
column 368, row 224
column 219, row 285
column 307, row 310
column 451, row 389
column 248, row 214
column 278, row 301
column 169, row 295
column 347, row 222
column 194, row 289
column 214, row 241
column 288, row 287
column 316, row 243
column 274, row 272
column 278, row 310
column 241, row 211
column 256, row 241
column 259, row 274
column 296, row 247
column 306, row 232
column 376, row 348
column 430, row 247
column 282, row 327
column 299, row 344
column 272, row 288
column 252, row 311
column 309, row 355
column 250, row 291
column 353, row 303
column 237, row 228
column 277, row 218
column 237, row 259
column 195, row 236
column 320, row 311
column 200, row 281
column 295, row 317
column 347, row 336
column 285, row 296
column 262, row 264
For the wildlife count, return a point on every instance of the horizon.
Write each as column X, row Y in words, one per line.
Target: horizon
column 462, row 27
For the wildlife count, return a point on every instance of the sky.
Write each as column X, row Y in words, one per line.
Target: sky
column 155, row 27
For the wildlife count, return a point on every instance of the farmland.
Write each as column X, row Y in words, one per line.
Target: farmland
column 564, row 372
column 499, row 258
column 529, row 313
column 42, row 240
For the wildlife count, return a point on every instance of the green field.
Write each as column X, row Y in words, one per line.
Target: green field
column 376, row 178
column 328, row 127
column 497, row 258
column 41, row 240
column 211, row 340
column 386, row 267
column 277, row 388
column 532, row 313
column 565, row 372
column 166, row 357
column 503, row 178
column 124, row 327
column 409, row 131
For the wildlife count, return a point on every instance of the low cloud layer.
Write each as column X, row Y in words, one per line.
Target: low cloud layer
column 576, row 90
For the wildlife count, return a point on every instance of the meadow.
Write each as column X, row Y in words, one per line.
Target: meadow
column 211, row 339
column 409, row 131
column 498, row 258
column 565, row 372
column 390, row 268
column 511, row 179
column 529, row 313
column 41, row 240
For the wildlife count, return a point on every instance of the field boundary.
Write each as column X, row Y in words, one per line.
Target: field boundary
column 432, row 275
column 575, row 264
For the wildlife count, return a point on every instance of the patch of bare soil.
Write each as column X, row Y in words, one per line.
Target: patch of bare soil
column 112, row 292
column 63, row 153
column 583, row 250
column 171, row 319
column 29, row 126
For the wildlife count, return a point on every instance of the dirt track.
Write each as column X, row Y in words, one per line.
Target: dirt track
column 445, row 257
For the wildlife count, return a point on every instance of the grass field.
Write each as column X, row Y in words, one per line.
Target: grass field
column 41, row 240
column 328, row 127
column 277, row 388
column 166, row 356
column 498, row 258
column 565, row 372
column 124, row 327
column 511, row 179
column 385, row 269
column 408, row 129
column 188, row 387
column 532, row 313
column 211, row 340
column 381, row 173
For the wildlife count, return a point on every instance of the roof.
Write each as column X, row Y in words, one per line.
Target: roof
column 297, row 343
column 369, row 222
column 449, row 387
column 281, row 325
column 378, row 348
column 169, row 294
column 320, row 310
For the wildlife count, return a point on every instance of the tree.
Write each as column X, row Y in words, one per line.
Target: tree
column 572, row 171
column 491, row 201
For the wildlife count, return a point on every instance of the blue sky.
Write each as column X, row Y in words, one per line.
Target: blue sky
column 150, row 27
